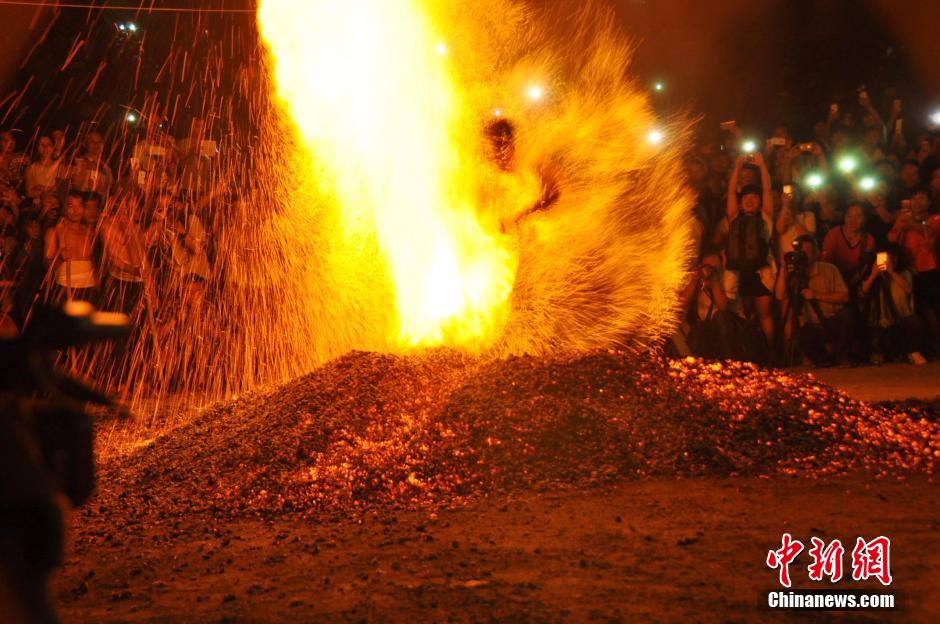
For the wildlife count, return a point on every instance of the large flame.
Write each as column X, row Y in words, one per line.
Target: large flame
column 376, row 215
column 369, row 86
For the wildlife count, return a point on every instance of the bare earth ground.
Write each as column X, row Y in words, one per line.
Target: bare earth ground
column 654, row 549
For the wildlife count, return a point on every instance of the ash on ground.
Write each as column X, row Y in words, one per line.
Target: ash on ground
column 440, row 428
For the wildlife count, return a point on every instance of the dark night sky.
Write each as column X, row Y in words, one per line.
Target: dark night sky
column 757, row 62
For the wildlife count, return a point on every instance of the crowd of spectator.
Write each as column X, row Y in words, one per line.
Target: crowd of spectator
column 821, row 248
column 824, row 249
column 73, row 230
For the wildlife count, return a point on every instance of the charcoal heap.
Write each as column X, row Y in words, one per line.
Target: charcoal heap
column 438, row 428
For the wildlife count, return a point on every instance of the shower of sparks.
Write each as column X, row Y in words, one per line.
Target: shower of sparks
column 351, row 198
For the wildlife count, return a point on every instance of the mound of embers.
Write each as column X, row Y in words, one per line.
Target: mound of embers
column 370, row 429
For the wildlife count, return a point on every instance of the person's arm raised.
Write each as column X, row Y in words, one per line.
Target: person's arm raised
column 767, row 200
column 732, row 204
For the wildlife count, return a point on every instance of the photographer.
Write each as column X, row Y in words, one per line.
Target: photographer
column 816, row 294
column 747, row 245
column 888, row 292
column 708, row 326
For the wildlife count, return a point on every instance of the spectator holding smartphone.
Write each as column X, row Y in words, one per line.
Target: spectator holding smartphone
column 747, row 244
column 888, row 292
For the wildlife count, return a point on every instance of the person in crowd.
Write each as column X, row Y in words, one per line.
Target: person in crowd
column 183, row 239
column 849, row 246
column 31, row 268
column 711, row 328
column 69, row 253
column 58, row 144
column 708, row 210
column 879, row 219
column 872, row 145
column 10, row 200
column 825, row 324
column 91, row 209
column 793, row 219
column 776, row 154
column 41, row 176
column 50, row 209
column 749, row 221
column 125, row 255
column 934, row 189
column 90, row 173
column 12, row 163
column 918, row 241
column 823, row 203
column 908, row 180
column 888, row 293
column 802, row 162
column 154, row 161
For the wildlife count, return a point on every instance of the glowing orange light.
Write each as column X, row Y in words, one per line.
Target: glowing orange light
column 388, row 123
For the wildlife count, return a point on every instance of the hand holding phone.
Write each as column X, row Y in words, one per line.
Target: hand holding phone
column 881, row 261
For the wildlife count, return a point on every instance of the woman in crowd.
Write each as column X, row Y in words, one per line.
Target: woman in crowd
column 747, row 244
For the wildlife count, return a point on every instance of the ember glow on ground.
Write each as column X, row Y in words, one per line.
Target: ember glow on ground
column 440, row 428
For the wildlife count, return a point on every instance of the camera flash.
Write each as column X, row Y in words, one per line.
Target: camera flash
column 867, row 183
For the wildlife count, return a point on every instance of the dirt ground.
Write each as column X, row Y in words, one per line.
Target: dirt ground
column 654, row 549
column 884, row 383
column 658, row 550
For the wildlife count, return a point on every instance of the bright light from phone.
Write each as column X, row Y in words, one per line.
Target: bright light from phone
column 655, row 137
column 867, row 183
column 535, row 93
column 442, row 48
column 122, row 27
column 131, row 117
column 497, row 113
column 847, row 164
column 814, row 180
column 659, row 86
column 935, row 118
column 132, row 27
column 749, row 146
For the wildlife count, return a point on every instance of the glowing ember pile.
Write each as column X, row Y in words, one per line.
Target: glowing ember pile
column 372, row 429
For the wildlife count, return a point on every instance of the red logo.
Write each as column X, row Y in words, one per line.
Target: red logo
column 869, row 559
column 872, row 559
column 784, row 557
column 827, row 560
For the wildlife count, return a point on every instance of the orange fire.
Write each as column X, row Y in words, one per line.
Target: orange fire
column 370, row 87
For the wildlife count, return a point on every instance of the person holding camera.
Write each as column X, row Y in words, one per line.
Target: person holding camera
column 814, row 296
column 707, row 327
column 889, row 292
column 749, row 223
